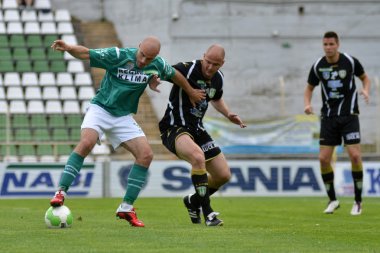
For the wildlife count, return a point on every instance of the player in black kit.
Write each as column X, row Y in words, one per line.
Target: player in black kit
column 336, row 72
column 182, row 132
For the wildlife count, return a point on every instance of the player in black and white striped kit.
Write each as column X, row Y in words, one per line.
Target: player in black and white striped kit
column 182, row 132
column 336, row 73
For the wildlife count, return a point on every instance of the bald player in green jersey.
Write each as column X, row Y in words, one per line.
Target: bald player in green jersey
column 128, row 72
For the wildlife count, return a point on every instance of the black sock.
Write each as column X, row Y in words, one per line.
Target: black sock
column 328, row 180
column 202, row 195
column 358, row 184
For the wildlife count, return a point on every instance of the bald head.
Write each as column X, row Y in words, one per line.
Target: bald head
column 149, row 48
column 216, row 52
column 213, row 60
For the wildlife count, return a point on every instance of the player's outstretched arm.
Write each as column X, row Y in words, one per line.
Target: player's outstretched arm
column 221, row 107
column 79, row 52
column 195, row 95
column 307, row 99
column 366, row 87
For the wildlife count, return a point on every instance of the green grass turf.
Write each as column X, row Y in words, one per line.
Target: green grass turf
column 257, row 224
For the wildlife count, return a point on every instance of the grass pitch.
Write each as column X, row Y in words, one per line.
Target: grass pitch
column 273, row 224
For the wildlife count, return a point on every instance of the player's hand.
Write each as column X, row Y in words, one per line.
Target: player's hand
column 197, row 96
column 154, row 82
column 234, row 118
column 60, row 45
column 365, row 95
column 308, row 110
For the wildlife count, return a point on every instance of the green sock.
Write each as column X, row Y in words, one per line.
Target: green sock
column 136, row 180
column 72, row 168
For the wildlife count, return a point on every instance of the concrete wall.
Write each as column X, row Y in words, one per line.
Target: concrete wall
column 265, row 41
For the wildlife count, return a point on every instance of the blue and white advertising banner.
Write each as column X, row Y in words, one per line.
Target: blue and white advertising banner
column 172, row 179
column 39, row 180
column 249, row 178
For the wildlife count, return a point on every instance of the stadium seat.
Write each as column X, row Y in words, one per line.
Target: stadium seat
column 42, row 5
column 2, row 93
column 12, row 79
column 74, row 120
column 29, row 159
column 57, row 66
column 44, row 16
column 54, row 55
column 83, row 79
column 47, row 158
column 14, row 28
column 23, row 134
column 33, row 93
column 1, row 14
column 68, row 93
column 64, row 150
column 29, row 79
column 75, row 66
column 62, row 15
column 6, row 66
column 70, row 39
column 3, row 29
column 3, row 40
column 37, row 53
column 57, row 120
column 34, row 40
column 23, row 66
column 65, row 28
column 53, row 106
column 60, row 134
column 41, row 134
column 71, row 107
column 26, row 150
column 38, row 120
column 40, row 66
column 65, row 79
column 28, row 15
column 20, row 120
column 50, row 93
column 3, row 106
column 5, row 54
column 85, row 93
column 35, row 106
column 20, row 53
column 17, row 40
column 15, row 92
column 84, row 106
column 47, row 79
column 17, row 106
column 10, row 4
column 67, row 56
column 32, row 28
column 11, row 15
column 44, row 150
column 48, row 28
column 49, row 39
column 75, row 134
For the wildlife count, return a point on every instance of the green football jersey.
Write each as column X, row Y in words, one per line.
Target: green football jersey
column 124, row 83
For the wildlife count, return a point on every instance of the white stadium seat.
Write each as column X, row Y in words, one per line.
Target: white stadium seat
column 48, row 28
column 29, row 79
column 82, row 79
column 65, row 79
column 75, row 66
column 85, row 93
column 15, row 92
column 70, row 106
column 14, row 28
column 28, row 15
column 3, row 106
column 45, row 16
column 11, row 15
column 47, row 79
column 32, row 28
column 17, row 106
column 65, row 28
column 53, row 106
column 50, row 92
column 68, row 93
column 62, row 15
column 33, row 93
column 12, row 79
column 35, row 106
column 10, row 4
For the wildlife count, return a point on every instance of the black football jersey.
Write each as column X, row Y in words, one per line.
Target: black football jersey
column 339, row 92
column 180, row 111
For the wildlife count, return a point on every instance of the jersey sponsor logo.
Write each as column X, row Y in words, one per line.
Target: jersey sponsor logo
column 325, row 69
column 326, row 75
column 342, row 73
column 208, row 146
column 353, row 136
column 334, row 75
column 132, row 76
column 334, row 84
column 211, row 92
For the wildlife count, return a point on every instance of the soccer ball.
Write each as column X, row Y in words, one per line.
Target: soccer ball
column 58, row 217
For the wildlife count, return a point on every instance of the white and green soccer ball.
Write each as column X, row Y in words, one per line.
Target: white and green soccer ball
column 58, row 217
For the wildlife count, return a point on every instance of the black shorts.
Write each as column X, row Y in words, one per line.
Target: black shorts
column 201, row 138
column 334, row 129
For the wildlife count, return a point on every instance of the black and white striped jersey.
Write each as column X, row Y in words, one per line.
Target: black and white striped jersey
column 180, row 111
column 339, row 92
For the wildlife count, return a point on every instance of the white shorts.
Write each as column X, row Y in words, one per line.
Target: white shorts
column 117, row 129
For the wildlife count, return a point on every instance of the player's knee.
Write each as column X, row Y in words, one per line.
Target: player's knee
column 324, row 160
column 146, row 157
column 198, row 159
